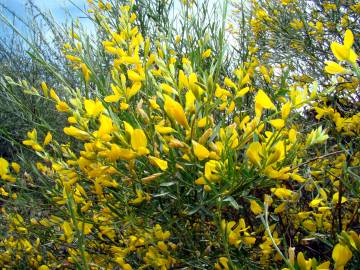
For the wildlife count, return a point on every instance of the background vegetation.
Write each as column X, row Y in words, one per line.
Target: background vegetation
column 181, row 135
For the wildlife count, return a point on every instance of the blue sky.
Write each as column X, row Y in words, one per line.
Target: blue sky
column 56, row 7
column 60, row 10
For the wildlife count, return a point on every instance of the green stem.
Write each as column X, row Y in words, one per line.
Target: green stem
column 267, row 228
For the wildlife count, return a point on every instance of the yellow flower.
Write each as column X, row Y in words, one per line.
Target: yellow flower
column 297, row 24
column 277, row 123
column 229, row 83
column 335, row 198
column 281, row 208
column 341, row 255
column 183, row 80
column 62, row 106
column 45, row 89
column 242, row 92
column 262, row 101
column 212, row 168
column 139, row 141
column 348, row 39
column 222, row 264
column 175, row 111
column 206, row 54
column 141, row 196
column 168, row 89
column 334, row 68
column 164, row 130
column 68, row 232
column 86, row 72
column 133, row 90
column 116, row 96
column 315, row 202
column 190, row 101
column 76, row 133
column 106, row 127
column 93, row 108
column 282, row 193
column 116, row 152
column 255, row 207
column 162, row 164
column 343, row 52
column 302, row 262
column 253, row 153
column 285, row 110
column 85, row 227
column 200, row 151
column 124, row 106
column 4, row 166
column 53, row 95
column 48, row 138
column 15, row 166
column 135, row 76
column 177, row 39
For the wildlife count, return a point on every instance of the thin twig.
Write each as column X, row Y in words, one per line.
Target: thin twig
column 315, row 158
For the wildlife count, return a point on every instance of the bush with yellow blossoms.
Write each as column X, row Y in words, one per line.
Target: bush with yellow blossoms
column 172, row 159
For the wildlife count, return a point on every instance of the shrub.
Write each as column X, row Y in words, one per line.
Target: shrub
column 184, row 162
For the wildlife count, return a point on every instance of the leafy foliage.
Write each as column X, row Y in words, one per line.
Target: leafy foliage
column 182, row 152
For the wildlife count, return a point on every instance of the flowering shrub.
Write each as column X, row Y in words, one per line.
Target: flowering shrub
column 178, row 165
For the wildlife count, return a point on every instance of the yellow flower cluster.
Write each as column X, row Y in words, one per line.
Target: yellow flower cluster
column 174, row 166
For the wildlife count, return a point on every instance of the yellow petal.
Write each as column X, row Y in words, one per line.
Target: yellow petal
column 183, row 80
column 76, row 132
column 253, row 153
column 352, row 57
column 281, row 208
column 285, row 110
column 334, row 68
column 116, row 152
column 282, row 193
column 68, row 232
column 348, row 39
column 106, row 126
column 175, row 111
column 162, row 164
column 315, row 202
column 340, row 51
column 168, row 89
column 277, row 123
column 134, row 76
column 190, row 101
column 112, row 98
column 48, row 138
column 164, row 130
column 255, row 207
column 206, row 53
column 262, row 101
column 200, row 151
column 292, row 135
column 130, row 92
column 128, row 128
column 138, row 139
column 341, row 255
column 301, row 261
column 242, row 92
column 15, row 166
column 229, row 83
column 4, row 166
column 323, row 266
column 335, row 198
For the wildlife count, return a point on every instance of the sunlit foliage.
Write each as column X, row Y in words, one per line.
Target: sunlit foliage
column 176, row 163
